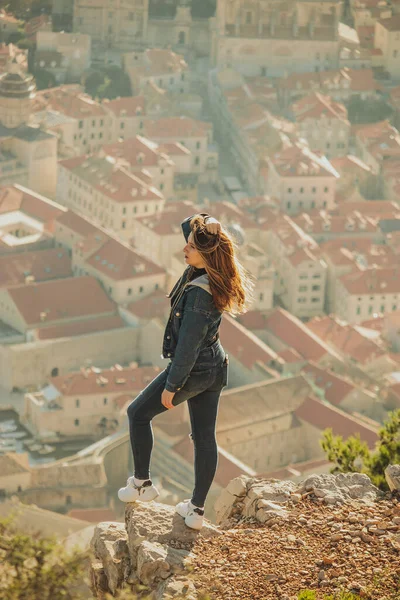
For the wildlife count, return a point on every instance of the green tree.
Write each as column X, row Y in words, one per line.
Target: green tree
column 354, row 456
column 44, row 79
column 367, row 111
column 108, row 82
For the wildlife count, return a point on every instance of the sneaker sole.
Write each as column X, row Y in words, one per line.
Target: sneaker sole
column 151, row 497
column 193, row 526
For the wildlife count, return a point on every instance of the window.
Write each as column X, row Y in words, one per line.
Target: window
column 156, row 286
column 261, row 297
column 141, row 289
column 314, row 189
column 358, row 310
column 162, row 171
column 289, row 190
column 301, row 300
column 183, row 77
column 123, row 224
column 80, row 124
column 122, row 125
column 313, row 204
column 301, row 190
column 370, row 309
column 197, row 160
column 303, row 276
column 303, row 288
column 161, row 186
column 104, row 401
column 76, row 422
column 382, row 308
column 110, row 290
column 315, row 300
column 288, row 204
column 394, row 307
column 129, row 291
column 316, row 288
column 326, row 190
column 124, row 210
column 93, row 123
column 77, row 403
column 248, row 18
column 198, row 145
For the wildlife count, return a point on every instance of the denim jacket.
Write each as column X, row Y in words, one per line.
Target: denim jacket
column 192, row 325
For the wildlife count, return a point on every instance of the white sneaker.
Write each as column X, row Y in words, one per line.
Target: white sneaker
column 131, row 492
column 193, row 515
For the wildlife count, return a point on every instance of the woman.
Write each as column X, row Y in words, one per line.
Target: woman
column 213, row 282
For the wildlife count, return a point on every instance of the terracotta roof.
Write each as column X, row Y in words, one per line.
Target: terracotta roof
column 174, row 149
column 370, row 208
column 362, row 253
column 295, row 334
column 154, row 306
column 227, row 212
column 116, row 380
column 157, row 61
column 299, row 161
column 326, row 223
column 356, row 80
column 246, row 347
column 290, row 355
column 69, row 101
column 53, row 263
column 336, row 388
column 373, row 281
column 112, row 180
column 132, row 106
column 349, row 164
column 346, row 339
column 322, row 416
column 76, row 223
column 16, row 197
column 115, row 259
column 177, row 127
column 139, row 152
column 316, row 105
column 82, row 327
column 392, row 23
column 60, row 300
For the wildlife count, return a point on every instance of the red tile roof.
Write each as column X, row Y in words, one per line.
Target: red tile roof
column 82, row 327
column 177, row 127
column 168, row 222
column 16, row 197
column 154, row 306
column 138, row 151
column 61, row 300
column 299, row 161
column 247, row 348
column 392, row 23
column 122, row 380
column 373, row 281
column 290, row 330
column 316, row 105
column 115, row 259
column 133, row 106
column 69, row 101
column 336, row 388
column 76, row 223
column 53, row 263
column 321, row 416
column 346, row 339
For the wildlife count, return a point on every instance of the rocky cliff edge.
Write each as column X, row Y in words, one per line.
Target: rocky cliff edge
column 272, row 539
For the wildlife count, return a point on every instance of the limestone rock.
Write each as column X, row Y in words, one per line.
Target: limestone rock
column 176, row 588
column 155, row 522
column 275, row 491
column 156, row 561
column 341, row 487
column 109, row 545
column 392, row 475
column 225, row 502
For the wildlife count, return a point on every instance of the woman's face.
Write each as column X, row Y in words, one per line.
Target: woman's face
column 192, row 256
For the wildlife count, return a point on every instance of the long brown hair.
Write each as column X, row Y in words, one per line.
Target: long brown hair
column 231, row 285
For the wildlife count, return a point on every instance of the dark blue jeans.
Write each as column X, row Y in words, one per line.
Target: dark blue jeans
column 202, row 391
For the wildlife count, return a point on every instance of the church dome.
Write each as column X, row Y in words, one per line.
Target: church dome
column 17, row 84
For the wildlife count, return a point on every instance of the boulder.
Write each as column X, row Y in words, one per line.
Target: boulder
column 156, row 561
column 338, row 488
column 155, row 522
column 181, row 588
column 392, row 475
column 237, row 488
column 109, row 545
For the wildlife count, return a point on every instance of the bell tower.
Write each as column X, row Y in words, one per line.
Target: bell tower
column 17, row 91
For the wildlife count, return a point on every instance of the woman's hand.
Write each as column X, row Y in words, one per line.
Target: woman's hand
column 166, row 399
column 212, row 225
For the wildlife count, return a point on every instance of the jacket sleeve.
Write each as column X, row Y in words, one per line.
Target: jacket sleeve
column 193, row 330
column 186, row 224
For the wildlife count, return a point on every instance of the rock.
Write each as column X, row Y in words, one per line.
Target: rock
column 392, row 475
column 341, row 487
column 155, row 561
column 176, row 588
column 109, row 544
column 277, row 492
column 160, row 523
column 227, row 499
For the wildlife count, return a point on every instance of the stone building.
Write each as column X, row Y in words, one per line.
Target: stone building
column 26, row 152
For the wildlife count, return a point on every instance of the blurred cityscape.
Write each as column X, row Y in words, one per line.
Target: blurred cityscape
column 118, row 119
